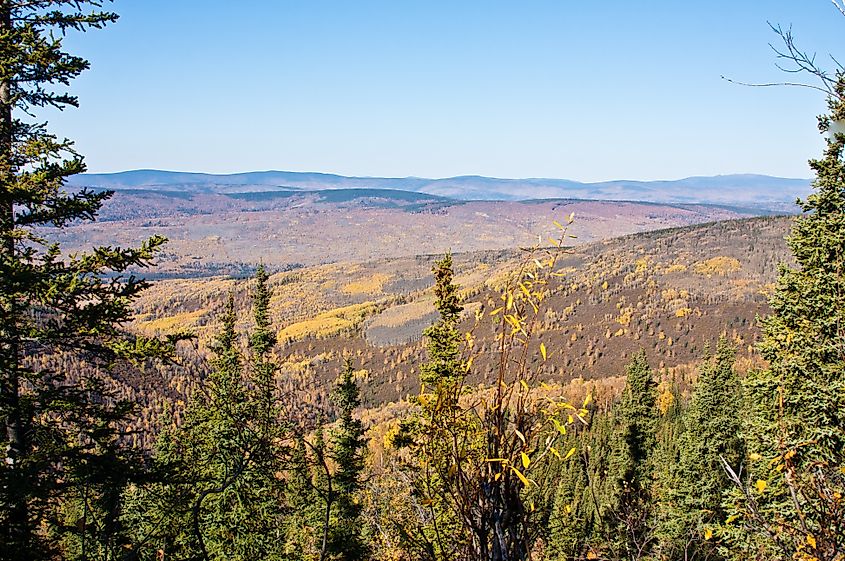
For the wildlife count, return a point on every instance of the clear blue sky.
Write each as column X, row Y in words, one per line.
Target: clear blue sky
column 586, row 90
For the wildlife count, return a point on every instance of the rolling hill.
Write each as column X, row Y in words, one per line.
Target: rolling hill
column 671, row 292
column 757, row 191
column 214, row 233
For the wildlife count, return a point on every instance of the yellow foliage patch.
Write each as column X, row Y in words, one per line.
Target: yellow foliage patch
column 171, row 324
column 328, row 323
column 665, row 398
column 721, row 265
column 676, row 268
column 371, row 285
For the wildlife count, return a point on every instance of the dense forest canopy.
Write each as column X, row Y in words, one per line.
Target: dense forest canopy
column 487, row 461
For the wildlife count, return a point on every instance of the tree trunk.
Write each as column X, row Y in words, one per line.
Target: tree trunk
column 17, row 531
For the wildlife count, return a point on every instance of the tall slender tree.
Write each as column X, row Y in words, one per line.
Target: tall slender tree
column 694, row 483
column 792, row 504
column 57, row 426
column 347, row 539
column 632, row 461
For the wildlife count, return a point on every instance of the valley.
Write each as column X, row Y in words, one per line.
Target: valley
column 672, row 292
column 211, row 234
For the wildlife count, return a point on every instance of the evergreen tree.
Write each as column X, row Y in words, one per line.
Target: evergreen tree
column 61, row 431
column 793, row 505
column 691, row 499
column 223, row 496
column 571, row 513
column 346, row 538
column 632, row 462
column 261, row 342
column 444, row 369
column 438, row 431
column 268, row 426
column 204, row 459
column 302, row 527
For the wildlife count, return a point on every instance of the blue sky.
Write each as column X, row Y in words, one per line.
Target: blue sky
column 583, row 90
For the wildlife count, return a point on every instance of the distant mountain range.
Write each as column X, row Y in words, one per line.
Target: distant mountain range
column 760, row 191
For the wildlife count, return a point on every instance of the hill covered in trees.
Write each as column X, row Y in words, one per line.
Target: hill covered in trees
column 617, row 400
column 213, row 234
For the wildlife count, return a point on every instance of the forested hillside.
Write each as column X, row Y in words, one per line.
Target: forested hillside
column 665, row 395
column 671, row 292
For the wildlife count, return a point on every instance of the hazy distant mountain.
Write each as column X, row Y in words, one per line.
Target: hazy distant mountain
column 740, row 189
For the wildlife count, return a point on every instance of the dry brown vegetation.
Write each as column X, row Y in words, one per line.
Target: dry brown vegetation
column 217, row 234
column 672, row 292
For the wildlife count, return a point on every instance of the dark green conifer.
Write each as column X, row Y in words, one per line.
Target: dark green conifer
column 443, row 370
column 346, row 538
column 437, row 433
column 695, row 482
column 61, row 430
column 632, row 462
column 793, row 505
column 223, row 493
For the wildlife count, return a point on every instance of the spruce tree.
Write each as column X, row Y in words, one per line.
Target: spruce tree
column 443, row 371
column 695, row 485
column 346, row 538
column 61, row 431
column 302, row 526
column 269, row 428
column 438, row 432
column 223, row 495
column 792, row 507
column 203, row 460
column 261, row 342
column 632, row 462
column 571, row 513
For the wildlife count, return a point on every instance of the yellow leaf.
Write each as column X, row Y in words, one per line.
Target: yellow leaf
column 570, row 453
column 755, row 457
column 497, row 476
column 521, row 477
column 708, row 533
column 811, row 540
column 588, row 399
column 558, row 224
column 509, row 302
column 524, row 384
column 560, row 428
column 524, row 290
column 526, row 461
column 543, row 350
column 555, row 452
column 761, row 485
column 496, row 311
column 592, row 555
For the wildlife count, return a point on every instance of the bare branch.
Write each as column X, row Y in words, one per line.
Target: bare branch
column 796, row 61
column 771, row 84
